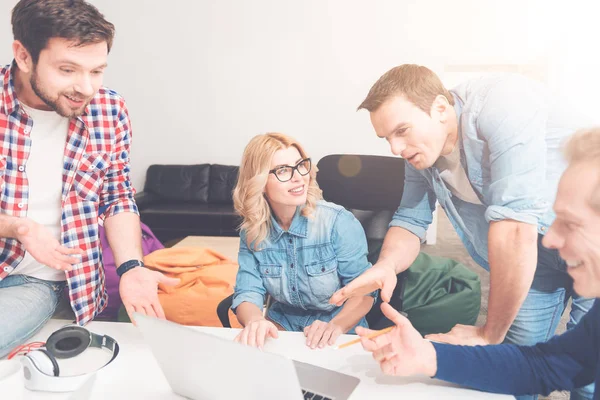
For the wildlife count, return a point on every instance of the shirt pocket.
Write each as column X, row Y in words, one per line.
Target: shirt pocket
column 323, row 278
column 89, row 176
column 271, row 275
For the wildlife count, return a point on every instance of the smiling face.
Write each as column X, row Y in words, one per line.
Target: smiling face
column 576, row 231
column 65, row 78
column 413, row 134
column 284, row 197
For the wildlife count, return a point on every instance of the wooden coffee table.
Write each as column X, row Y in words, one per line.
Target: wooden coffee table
column 227, row 245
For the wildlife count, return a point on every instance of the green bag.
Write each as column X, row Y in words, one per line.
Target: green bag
column 436, row 293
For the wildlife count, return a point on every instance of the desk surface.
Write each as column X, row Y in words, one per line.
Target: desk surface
column 135, row 374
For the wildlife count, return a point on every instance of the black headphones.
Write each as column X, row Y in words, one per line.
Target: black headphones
column 41, row 368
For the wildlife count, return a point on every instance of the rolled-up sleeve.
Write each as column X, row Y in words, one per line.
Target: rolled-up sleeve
column 117, row 195
column 350, row 246
column 512, row 121
column 248, row 282
column 415, row 212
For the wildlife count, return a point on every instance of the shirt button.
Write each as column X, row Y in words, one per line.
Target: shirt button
column 27, row 130
column 20, row 205
column 543, row 229
column 7, row 269
column 21, row 168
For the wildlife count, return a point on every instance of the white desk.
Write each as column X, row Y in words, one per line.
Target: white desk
column 135, row 374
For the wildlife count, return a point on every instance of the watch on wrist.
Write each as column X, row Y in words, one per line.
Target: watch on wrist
column 127, row 265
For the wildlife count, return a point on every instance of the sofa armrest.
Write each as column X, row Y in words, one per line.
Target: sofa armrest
column 144, row 199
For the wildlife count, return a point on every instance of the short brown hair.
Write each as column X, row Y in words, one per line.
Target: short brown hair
column 34, row 22
column 584, row 146
column 416, row 83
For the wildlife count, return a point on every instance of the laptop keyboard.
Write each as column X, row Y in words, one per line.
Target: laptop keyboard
column 313, row 396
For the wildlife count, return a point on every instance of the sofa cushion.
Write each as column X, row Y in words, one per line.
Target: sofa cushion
column 179, row 182
column 222, row 182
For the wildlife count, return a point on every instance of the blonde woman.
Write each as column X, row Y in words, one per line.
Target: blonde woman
column 294, row 246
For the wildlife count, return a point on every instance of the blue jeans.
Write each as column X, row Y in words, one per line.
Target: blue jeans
column 540, row 314
column 26, row 303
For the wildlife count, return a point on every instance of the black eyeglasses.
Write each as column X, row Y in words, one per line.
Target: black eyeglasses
column 285, row 172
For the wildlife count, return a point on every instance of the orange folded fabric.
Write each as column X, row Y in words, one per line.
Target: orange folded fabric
column 207, row 277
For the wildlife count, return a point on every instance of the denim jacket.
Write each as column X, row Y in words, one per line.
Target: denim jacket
column 510, row 132
column 302, row 267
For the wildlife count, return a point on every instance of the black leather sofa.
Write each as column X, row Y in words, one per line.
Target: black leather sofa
column 183, row 200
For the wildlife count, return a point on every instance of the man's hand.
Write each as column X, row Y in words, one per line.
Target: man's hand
column 402, row 351
column 255, row 333
column 139, row 291
column 321, row 334
column 380, row 276
column 466, row 335
column 43, row 246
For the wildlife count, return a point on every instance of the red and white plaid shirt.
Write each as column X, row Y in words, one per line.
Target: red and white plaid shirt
column 95, row 175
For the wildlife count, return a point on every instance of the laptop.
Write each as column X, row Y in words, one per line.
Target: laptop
column 201, row 366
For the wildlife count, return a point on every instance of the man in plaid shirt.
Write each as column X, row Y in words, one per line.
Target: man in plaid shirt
column 65, row 155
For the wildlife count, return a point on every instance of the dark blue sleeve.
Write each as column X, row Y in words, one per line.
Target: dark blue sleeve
column 563, row 363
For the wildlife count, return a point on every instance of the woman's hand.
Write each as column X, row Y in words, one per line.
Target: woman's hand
column 256, row 332
column 321, row 334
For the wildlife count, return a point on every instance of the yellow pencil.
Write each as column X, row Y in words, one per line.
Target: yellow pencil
column 371, row 336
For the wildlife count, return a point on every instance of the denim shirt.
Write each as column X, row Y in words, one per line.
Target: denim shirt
column 510, row 132
column 302, row 267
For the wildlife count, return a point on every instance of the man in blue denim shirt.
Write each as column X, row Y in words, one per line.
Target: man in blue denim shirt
column 489, row 152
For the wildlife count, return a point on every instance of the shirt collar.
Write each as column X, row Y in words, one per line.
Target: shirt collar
column 458, row 105
column 299, row 226
column 9, row 96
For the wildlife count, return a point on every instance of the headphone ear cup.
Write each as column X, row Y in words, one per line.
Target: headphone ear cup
column 68, row 342
column 44, row 362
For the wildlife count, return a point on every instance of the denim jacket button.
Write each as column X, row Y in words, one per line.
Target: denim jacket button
column 267, row 271
column 293, row 288
column 290, row 240
column 322, row 269
column 292, row 265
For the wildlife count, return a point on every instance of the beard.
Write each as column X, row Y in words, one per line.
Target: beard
column 54, row 103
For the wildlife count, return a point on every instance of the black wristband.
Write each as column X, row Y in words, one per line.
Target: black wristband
column 127, row 265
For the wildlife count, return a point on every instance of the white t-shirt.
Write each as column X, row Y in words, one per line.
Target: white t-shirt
column 44, row 171
column 455, row 177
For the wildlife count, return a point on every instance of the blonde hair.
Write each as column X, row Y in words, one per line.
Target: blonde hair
column 248, row 199
column 584, row 146
column 416, row 83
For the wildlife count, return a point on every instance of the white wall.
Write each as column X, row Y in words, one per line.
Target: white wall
column 201, row 78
